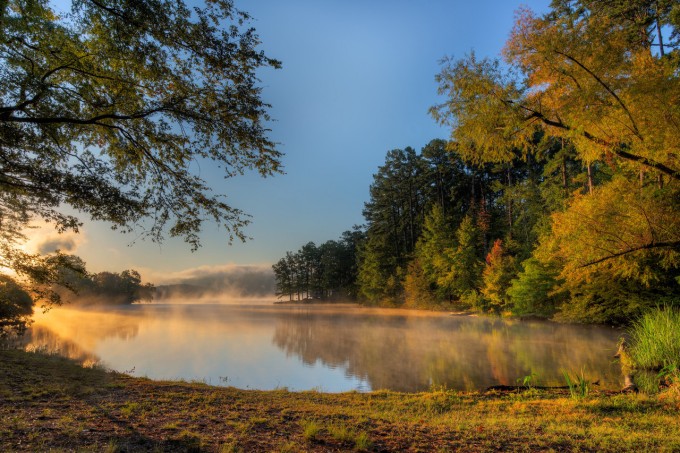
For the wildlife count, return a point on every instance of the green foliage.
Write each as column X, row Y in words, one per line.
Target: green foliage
column 106, row 108
column 310, row 430
column 579, row 387
column 499, row 270
column 418, row 292
column 528, row 381
column 323, row 272
column 655, row 339
column 464, row 274
column 438, row 236
column 16, row 306
column 531, row 293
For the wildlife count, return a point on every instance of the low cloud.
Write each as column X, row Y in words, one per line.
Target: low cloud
column 65, row 244
column 43, row 240
column 232, row 280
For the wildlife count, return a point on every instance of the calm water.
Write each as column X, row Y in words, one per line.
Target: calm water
column 329, row 348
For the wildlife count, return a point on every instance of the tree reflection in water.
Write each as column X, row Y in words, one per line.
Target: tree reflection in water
column 406, row 352
column 335, row 348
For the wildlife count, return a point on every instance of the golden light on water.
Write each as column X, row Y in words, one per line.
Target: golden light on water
column 334, row 348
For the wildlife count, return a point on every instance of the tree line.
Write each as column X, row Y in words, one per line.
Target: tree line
column 327, row 271
column 558, row 192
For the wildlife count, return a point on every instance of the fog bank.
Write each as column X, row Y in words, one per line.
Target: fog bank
column 229, row 281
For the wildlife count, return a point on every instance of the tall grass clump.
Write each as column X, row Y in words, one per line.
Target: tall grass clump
column 579, row 387
column 655, row 340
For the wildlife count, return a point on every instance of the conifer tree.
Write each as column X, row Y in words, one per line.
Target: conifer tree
column 499, row 270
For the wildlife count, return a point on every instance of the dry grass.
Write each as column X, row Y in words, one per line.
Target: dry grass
column 48, row 403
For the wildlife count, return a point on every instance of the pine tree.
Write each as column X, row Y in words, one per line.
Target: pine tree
column 464, row 274
column 499, row 270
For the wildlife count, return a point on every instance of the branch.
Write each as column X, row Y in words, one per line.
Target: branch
column 606, row 87
column 615, row 149
column 93, row 120
column 651, row 245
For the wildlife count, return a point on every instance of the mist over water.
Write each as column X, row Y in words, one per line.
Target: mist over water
column 327, row 347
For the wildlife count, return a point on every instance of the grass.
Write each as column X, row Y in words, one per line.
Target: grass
column 51, row 404
column 579, row 387
column 655, row 340
column 310, row 430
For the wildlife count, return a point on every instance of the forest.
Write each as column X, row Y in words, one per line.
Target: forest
column 558, row 192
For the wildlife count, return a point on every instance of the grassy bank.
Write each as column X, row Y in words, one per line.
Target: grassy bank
column 51, row 404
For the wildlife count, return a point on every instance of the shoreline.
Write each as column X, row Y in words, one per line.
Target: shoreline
column 48, row 402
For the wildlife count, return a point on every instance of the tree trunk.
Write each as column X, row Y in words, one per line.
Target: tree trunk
column 590, row 178
column 509, row 201
column 642, row 178
column 658, row 29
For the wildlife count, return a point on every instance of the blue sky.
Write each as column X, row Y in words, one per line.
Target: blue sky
column 357, row 80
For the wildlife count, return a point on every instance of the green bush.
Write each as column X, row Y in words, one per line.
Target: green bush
column 16, row 306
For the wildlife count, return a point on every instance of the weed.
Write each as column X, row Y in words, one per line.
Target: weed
column 230, row 447
column 528, row 381
column 170, row 426
column 189, row 440
column 341, row 432
column 437, row 403
column 310, row 429
column 290, row 447
column 362, row 441
column 130, row 408
column 112, row 447
column 579, row 387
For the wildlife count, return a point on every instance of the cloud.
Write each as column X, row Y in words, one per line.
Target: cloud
column 43, row 240
column 220, row 280
column 65, row 244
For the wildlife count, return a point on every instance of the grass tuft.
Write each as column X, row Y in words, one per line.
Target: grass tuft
column 310, row 430
column 655, row 339
column 579, row 387
column 341, row 432
column 362, row 441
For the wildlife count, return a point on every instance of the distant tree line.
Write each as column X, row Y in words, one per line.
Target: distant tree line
column 76, row 286
column 327, row 271
column 102, row 288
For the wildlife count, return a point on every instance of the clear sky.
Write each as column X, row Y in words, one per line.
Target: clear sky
column 357, row 80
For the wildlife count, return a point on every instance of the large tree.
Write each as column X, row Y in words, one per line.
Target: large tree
column 615, row 101
column 108, row 105
column 615, row 107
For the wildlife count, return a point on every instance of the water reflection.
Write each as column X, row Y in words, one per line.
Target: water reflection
column 411, row 353
column 328, row 347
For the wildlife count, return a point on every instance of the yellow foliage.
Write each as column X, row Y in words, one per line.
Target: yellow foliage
column 621, row 228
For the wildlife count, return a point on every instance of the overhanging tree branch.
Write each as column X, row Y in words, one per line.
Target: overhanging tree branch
column 652, row 245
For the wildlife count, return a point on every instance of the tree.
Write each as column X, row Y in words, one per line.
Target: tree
column 531, row 293
column 614, row 101
column 499, row 270
column 418, row 291
column 284, row 276
column 106, row 108
column 16, row 306
column 433, row 261
column 463, row 276
column 613, row 108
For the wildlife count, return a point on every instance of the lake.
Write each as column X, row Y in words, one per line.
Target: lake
column 331, row 348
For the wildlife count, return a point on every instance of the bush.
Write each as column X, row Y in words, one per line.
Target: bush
column 16, row 306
